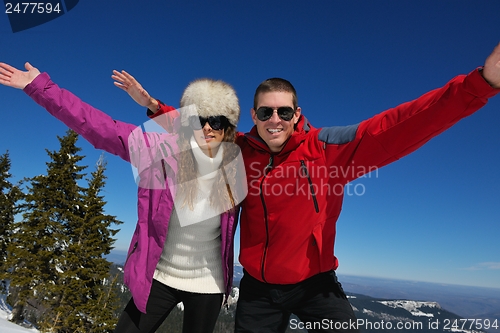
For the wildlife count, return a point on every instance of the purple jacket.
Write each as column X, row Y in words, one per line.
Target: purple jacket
column 153, row 154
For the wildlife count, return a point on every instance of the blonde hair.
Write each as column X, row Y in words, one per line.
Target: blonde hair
column 222, row 197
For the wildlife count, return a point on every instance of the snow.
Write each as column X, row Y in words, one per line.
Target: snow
column 5, row 325
column 412, row 306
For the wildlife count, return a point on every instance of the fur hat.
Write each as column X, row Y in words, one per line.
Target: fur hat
column 207, row 97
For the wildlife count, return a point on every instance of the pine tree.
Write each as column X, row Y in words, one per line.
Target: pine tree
column 52, row 209
column 104, row 304
column 9, row 196
column 91, row 296
column 57, row 263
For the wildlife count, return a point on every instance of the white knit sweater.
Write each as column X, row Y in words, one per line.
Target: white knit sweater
column 191, row 259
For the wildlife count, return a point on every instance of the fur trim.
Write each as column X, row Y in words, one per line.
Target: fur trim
column 211, row 98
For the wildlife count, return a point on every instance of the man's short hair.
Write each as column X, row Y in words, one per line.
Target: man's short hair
column 275, row 84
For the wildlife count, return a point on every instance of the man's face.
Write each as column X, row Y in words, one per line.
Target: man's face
column 275, row 131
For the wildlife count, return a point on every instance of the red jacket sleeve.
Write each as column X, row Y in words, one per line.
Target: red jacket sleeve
column 165, row 116
column 399, row 131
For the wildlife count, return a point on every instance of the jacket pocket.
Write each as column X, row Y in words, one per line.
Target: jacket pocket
column 130, row 254
column 305, row 173
column 318, row 242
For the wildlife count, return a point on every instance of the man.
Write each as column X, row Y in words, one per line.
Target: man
column 295, row 176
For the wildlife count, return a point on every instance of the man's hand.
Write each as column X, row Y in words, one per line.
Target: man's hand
column 13, row 77
column 491, row 69
column 127, row 82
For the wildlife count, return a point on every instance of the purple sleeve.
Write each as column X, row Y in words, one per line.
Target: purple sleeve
column 94, row 125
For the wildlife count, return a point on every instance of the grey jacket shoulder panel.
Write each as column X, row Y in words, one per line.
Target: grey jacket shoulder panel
column 338, row 134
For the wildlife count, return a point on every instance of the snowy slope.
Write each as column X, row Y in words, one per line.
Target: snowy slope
column 5, row 325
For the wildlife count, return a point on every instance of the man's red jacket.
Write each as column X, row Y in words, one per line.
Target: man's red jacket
column 288, row 219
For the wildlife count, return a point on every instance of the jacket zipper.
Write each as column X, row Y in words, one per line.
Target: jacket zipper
column 267, row 169
column 311, row 187
column 128, row 257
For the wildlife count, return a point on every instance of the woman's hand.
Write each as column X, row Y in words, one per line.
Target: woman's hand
column 13, row 77
column 127, row 82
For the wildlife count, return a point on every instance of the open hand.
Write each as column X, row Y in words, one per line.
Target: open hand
column 491, row 69
column 13, row 77
column 127, row 82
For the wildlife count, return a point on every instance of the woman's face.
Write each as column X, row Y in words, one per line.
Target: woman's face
column 208, row 139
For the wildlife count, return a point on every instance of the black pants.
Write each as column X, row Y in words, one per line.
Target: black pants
column 200, row 311
column 319, row 302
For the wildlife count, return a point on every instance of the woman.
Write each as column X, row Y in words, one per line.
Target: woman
column 182, row 248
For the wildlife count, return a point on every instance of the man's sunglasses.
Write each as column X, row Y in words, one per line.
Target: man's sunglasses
column 215, row 122
column 284, row 112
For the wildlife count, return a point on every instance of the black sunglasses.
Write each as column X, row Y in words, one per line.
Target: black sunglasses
column 215, row 122
column 284, row 112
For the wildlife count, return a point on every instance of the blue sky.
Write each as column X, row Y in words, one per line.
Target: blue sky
column 432, row 216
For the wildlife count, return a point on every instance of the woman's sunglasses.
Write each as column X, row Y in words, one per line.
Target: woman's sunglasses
column 215, row 122
column 284, row 112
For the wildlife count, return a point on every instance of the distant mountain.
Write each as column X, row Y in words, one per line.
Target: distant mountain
column 408, row 314
column 374, row 314
column 431, row 307
column 118, row 257
column 466, row 301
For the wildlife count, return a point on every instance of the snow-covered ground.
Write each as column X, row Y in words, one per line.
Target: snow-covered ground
column 6, row 326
